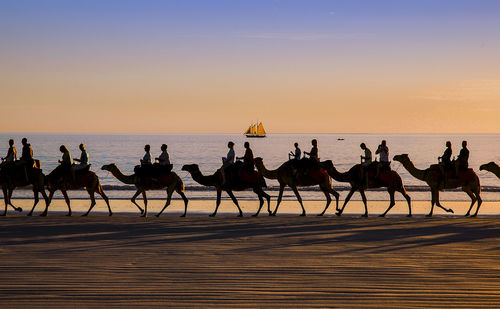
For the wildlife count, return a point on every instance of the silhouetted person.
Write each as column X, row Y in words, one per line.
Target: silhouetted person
column 383, row 152
column 248, row 161
column 164, row 160
column 366, row 160
column 445, row 164
column 295, row 154
column 313, row 154
column 11, row 153
column 462, row 162
column 26, row 160
column 146, row 160
column 227, row 161
column 65, row 162
column 83, row 161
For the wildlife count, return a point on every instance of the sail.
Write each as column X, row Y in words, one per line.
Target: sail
column 249, row 130
column 260, row 129
column 253, row 129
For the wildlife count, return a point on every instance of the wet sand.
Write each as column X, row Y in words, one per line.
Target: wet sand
column 284, row 261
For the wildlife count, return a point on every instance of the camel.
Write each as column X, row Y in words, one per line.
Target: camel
column 468, row 180
column 491, row 167
column 171, row 181
column 387, row 178
column 36, row 178
column 83, row 179
column 285, row 176
column 215, row 180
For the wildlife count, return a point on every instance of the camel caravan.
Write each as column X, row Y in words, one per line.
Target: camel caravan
column 242, row 173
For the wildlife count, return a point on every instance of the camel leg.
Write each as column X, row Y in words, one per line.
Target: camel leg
column 391, row 204
column 134, row 202
column 434, row 197
column 408, row 200
column 169, row 197
column 268, row 199
column 105, row 198
column 66, row 198
column 18, row 209
column 337, row 197
column 217, row 203
column 51, row 195
column 35, row 193
column 6, row 200
column 348, row 197
column 92, row 202
column 280, row 196
column 472, row 197
column 438, row 204
column 328, row 200
column 45, row 197
column 235, row 201
column 261, row 201
column 363, row 197
column 144, row 197
column 300, row 200
column 479, row 202
column 184, row 198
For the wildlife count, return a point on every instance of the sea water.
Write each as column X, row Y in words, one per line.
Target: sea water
column 206, row 150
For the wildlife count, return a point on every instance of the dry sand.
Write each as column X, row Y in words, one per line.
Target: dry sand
column 284, row 261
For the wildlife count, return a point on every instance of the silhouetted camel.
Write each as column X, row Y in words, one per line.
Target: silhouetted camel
column 285, row 176
column 171, row 181
column 215, row 180
column 491, row 167
column 18, row 179
column 84, row 179
column 468, row 180
column 386, row 178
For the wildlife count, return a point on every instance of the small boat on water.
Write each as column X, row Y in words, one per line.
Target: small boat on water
column 255, row 130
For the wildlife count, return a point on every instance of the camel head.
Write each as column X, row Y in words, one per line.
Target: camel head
column 401, row 158
column 109, row 167
column 488, row 166
column 191, row 168
column 259, row 163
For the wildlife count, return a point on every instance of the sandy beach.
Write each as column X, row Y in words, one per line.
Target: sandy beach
column 284, row 261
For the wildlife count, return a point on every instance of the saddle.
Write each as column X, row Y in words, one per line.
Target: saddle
column 153, row 170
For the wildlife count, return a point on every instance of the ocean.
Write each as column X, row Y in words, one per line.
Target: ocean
column 206, row 150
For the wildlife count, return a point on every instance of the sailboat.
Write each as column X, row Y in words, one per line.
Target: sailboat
column 255, row 130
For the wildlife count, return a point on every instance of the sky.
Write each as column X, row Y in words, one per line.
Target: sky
column 216, row 66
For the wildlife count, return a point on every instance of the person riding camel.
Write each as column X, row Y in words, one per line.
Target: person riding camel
column 248, row 161
column 11, row 154
column 295, row 154
column 445, row 163
column 227, row 161
column 84, row 160
column 313, row 154
column 383, row 152
column 26, row 160
column 164, row 160
column 462, row 162
column 366, row 160
column 65, row 163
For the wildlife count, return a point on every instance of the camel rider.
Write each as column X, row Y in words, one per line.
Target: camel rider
column 295, row 154
column 11, row 156
column 366, row 160
column 164, row 159
column 84, row 160
column 26, row 160
column 146, row 167
column 462, row 162
column 65, row 162
column 445, row 161
column 313, row 154
column 383, row 152
column 227, row 161
column 146, row 160
column 248, row 161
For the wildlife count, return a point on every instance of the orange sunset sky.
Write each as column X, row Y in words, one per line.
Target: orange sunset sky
column 215, row 66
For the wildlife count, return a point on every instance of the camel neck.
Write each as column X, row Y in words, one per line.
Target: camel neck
column 127, row 179
column 415, row 172
column 202, row 179
column 338, row 176
column 270, row 174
